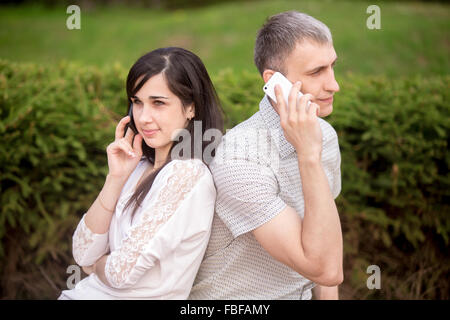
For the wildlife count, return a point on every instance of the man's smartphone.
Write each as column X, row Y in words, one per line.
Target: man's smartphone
column 285, row 84
column 131, row 124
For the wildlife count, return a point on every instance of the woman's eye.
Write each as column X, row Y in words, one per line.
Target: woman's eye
column 158, row 102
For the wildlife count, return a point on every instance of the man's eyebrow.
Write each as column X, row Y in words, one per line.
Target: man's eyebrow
column 316, row 69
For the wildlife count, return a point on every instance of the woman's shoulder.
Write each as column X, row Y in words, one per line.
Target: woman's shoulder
column 181, row 176
column 188, row 168
column 186, row 164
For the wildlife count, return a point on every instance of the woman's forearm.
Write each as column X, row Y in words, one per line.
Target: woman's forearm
column 99, row 215
column 99, row 269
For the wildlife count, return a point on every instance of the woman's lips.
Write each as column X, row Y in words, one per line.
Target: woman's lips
column 149, row 133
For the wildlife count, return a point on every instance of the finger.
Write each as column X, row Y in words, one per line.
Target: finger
column 120, row 128
column 137, row 144
column 293, row 100
column 126, row 147
column 129, row 134
column 281, row 105
column 303, row 103
column 120, row 146
column 313, row 110
column 117, row 147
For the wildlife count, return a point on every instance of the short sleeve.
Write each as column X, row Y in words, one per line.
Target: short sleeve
column 331, row 157
column 336, row 186
column 247, row 194
column 126, row 265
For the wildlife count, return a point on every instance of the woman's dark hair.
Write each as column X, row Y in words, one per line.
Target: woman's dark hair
column 187, row 78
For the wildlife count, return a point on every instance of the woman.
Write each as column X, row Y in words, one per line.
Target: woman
column 146, row 233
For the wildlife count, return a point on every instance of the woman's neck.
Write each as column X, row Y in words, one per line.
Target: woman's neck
column 161, row 156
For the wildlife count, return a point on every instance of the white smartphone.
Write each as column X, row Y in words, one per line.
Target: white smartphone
column 285, row 84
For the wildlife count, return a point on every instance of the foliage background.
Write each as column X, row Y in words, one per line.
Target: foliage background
column 62, row 93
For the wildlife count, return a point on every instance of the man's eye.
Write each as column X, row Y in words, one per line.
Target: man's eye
column 158, row 102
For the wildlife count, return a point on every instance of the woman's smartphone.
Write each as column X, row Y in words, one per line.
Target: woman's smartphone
column 130, row 124
column 285, row 84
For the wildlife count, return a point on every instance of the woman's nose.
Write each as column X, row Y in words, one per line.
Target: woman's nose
column 146, row 115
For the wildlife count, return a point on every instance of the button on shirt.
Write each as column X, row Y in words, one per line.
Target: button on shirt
column 256, row 175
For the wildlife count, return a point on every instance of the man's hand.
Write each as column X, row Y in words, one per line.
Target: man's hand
column 300, row 126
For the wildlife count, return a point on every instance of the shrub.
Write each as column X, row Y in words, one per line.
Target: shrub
column 55, row 129
column 393, row 136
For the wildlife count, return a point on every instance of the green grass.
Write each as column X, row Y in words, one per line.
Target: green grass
column 413, row 39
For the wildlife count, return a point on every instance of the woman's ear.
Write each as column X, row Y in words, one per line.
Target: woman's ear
column 190, row 112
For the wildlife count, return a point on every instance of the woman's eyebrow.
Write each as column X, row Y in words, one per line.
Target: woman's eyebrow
column 158, row 97
column 151, row 97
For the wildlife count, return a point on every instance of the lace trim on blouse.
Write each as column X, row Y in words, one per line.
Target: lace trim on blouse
column 121, row 262
column 83, row 238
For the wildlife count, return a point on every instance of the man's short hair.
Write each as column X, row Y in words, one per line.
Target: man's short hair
column 280, row 34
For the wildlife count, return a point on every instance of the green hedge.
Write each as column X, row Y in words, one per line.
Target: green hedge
column 56, row 123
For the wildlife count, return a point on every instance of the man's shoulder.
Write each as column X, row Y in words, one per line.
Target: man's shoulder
column 328, row 132
column 245, row 133
column 249, row 141
column 254, row 122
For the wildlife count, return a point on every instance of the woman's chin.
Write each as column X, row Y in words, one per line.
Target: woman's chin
column 152, row 143
column 157, row 144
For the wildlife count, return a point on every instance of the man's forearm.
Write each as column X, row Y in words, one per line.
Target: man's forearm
column 321, row 228
column 326, row 293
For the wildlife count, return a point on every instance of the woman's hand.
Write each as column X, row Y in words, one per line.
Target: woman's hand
column 121, row 161
column 300, row 125
column 88, row 270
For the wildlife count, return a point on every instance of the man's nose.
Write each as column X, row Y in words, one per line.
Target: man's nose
column 331, row 83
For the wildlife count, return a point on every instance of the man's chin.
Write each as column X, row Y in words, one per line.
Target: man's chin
column 325, row 110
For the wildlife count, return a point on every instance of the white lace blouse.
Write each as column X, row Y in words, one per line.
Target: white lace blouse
column 157, row 255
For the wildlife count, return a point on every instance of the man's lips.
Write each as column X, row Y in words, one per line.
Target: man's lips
column 327, row 100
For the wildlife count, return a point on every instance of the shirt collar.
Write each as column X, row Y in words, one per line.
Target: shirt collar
column 272, row 120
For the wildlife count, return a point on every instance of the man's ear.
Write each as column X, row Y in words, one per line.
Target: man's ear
column 267, row 74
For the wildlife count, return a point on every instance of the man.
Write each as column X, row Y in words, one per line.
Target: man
column 276, row 232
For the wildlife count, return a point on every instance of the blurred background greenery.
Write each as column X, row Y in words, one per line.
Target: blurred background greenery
column 394, row 203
